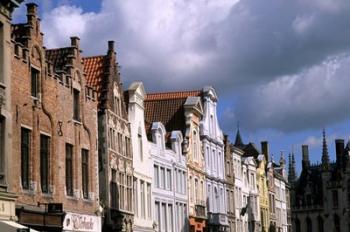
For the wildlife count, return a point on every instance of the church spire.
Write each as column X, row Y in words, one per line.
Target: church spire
column 238, row 141
column 291, row 166
column 325, row 156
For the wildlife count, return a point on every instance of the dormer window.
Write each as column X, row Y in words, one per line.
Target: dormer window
column 35, row 82
column 76, row 105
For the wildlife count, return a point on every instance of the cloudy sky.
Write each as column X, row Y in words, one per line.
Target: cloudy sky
column 281, row 68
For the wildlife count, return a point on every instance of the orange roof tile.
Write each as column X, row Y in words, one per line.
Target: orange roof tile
column 172, row 95
column 94, row 70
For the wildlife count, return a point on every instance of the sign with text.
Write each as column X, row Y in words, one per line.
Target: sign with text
column 81, row 222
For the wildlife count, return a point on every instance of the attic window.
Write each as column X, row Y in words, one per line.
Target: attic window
column 35, row 82
column 76, row 104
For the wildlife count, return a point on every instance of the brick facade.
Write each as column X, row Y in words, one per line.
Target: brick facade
column 49, row 112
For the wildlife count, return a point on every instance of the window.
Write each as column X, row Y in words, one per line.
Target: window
column 162, row 178
column 69, row 169
column 320, row 224
column 348, row 191
column 85, row 172
column 196, row 189
column 35, row 82
column 336, row 223
column 116, row 105
column 44, row 163
column 335, row 198
column 170, row 217
column 127, row 147
column 25, row 156
column 2, row 147
column 129, row 193
column 76, row 104
column 136, row 208
column 184, row 182
column 149, row 209
column 142, row 191
column 139, row 138
column 114, row 190
column 156, row 176
column 157, row 214
column 121, row 190
column 120, row 143
column 195, row 148
column 164, row 217
column 168, row 178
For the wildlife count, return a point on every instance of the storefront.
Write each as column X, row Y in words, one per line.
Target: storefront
column 40, row 219
column 74, row 222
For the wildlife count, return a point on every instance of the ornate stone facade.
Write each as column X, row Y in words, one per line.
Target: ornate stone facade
column 321, row 194
column 115, row 150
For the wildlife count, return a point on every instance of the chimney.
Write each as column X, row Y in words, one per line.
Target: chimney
column 265, row 150
column 339, row 150
column 111, row 45
column 305, row 159
column 32, row 12
column 75, row 41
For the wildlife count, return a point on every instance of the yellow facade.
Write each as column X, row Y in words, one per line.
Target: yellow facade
column 263, row 193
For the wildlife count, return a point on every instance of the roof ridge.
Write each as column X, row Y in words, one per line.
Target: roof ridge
column 55, row 49
column 172, row 92
column 96, row 56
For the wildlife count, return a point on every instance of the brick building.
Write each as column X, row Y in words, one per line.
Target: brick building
column 115, row 151
column 7, row 199
column 54, row 134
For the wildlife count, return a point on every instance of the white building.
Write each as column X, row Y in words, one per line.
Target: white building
column 213, row 146
column 170, row 174
column 246, row 193
column 142, row 183
column 280, row 180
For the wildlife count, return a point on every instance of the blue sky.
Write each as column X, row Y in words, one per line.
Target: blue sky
column 280, row 68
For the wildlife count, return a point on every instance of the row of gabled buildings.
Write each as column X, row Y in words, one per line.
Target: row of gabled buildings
column 80, row 153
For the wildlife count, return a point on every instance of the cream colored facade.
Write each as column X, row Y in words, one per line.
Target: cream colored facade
column 195, row 164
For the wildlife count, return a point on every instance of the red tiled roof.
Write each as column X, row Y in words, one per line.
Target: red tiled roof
column 172, row 95
column 167, row 108
column 94, row 70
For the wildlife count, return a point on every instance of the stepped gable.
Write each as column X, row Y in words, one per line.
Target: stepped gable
column 167, row 108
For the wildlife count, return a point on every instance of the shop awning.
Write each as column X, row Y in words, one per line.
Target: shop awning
column 10, row 226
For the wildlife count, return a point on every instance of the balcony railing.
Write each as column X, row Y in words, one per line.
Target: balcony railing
column 200, row 210
column 217, row 218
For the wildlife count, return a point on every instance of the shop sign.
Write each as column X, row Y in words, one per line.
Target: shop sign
column 81, row 222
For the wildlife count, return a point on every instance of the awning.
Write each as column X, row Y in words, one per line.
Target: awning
column 10, row 226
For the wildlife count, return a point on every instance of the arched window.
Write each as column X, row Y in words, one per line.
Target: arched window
column 336, row 223
column 308, row 225
column 195, row 146
column 320, row 224
column 348, row 191
column 297, row 225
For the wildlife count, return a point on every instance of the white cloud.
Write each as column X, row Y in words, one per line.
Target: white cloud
column 277, row 51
